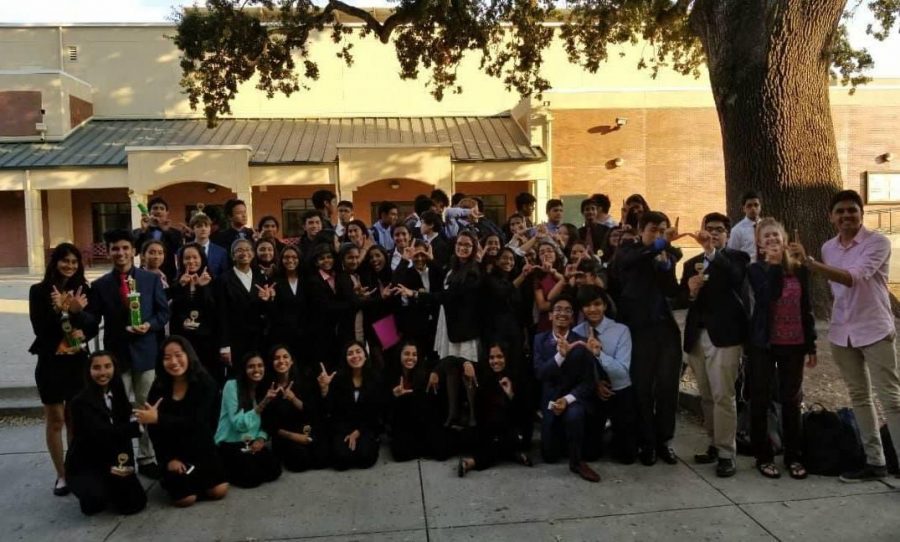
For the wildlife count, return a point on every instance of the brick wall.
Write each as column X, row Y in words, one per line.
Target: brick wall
column 13, row 250
column 79, row 110
column 19, row 111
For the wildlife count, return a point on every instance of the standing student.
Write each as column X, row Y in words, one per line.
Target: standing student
column 783, row 334
column 265, row 257
column 743, row 235
column 646, row 268
column 269, row 229
column 194, row 309
column 713, row 284
column 312, row 225
column 635, row 206
column 293, row 419
column 554, row 215
column 388, row 213
column 421, row 205
column 862, row 332
column 603, row 205
column 325, row 202
column 345, row 216
column 567, row 389
column 236, row 214
column 417, row 317
column 242, row 295
column 287, row 313
column 498, row 434
column 180, row 416
column 402, row 241
column 55, row 307
column 353, row 396
column 357, row 233
column 525, row 204
column 594, row 233
column 333, row 314
column 153, row 255
column 156, row 226
column 217, row 257
column 243, row 443
column 134, row 346
column 100, row 460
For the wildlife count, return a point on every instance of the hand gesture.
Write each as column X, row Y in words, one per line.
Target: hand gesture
column 288, row 392
column 145, row 222
column 205, row 278
column 59, row 299
column 324, row 379
column 469, row 372
column 604, row 390
column 399, row 390
column 266, row 292
column 479, row 251
column 429, row 253
column 176, row 466
column 796, row 248
column 507, row 386
column 671, row 233
column 271, row 394
column 563, row 347
column 257, row 445
column 351, row 440
column 187, row 279
column 705, row 239
column 403, row 291
column 408, row 253
column 694, row 284
column 527, row 269
column 148, row 414
column 593, row 343
column 433, row 381
column 559, row 406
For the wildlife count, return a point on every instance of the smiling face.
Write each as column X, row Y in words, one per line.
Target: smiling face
column 325, row 262
column 201, row 232
column 377, row 260
column 577, row 252
column 492, row 245
column 102, row 370
column 290, row 261
column 191, row 260
column 409, row 357
column 351, row 260
column 356, row 356
column 562, row 314
column 255, row 369
column 846, row 217
column 506, row 261
column 265, row 253
column 67, row 266
column 269, row 229
column 594, row 311
column 770, row 236
column 312, row 226
column 122, row 254
column 717, row 233
column 401, row 238
column 547, row 255
column 464, row 248
column 242, row 253
column 496, row 359
column 589, row 213
column 175, row 360
column 517, row 226
column 282, row 361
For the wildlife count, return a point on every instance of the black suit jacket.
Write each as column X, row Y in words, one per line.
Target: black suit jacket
column 645, row 286
column 598, row 234
column 47, row 323
column 720, row 305
column 576, row 375
column 461, row 301
column 441, row 250
column 241, row 314
column 102, row 434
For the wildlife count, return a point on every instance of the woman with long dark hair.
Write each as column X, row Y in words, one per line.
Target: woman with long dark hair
column 407, row 411
column 180, row 415
column 358, row 233
column 293, row 418
column 100, row 460
column 498, row 410
column 243, row 443
column 331, row 305
column 354, row 400
column 61, row 330
column 287, row 313
column 545, row 278
column 194, row 309
column 269, row 228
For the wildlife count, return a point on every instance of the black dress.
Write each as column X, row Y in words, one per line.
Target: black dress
column 102, row 436
column 194, row 318
column 355, row 409
column 185, row 432
column 282, row 414
column 287, row 322
column 498, row 436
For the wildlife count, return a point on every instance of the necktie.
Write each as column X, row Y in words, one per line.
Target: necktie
column 123, row 287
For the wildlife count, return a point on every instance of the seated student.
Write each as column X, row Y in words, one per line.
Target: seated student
column 242, row 442
column 292, row 419
column 567, row 389
column 100, row 461
column 498, row 410
column 354, row 401
column 180, row 415
column 609, row 343
column 406, row 411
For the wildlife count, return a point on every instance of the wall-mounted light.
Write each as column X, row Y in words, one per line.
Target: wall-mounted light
column 621, row 121
column 887, row 157
column 619, row 162
column 211, row 188
column 395, row 185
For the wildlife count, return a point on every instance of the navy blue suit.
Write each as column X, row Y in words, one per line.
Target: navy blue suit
column 133, row 351
column 576, row 377
column 216, row 260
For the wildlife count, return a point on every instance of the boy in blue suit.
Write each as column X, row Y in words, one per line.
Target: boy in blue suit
column 135, row 346
column 216, row 257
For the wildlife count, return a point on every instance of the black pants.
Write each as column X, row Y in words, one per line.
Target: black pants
column 655, row 373
column 493, row 444
column 96, row 490
column 788, row 361
column 245, row 469
column 298, row 457
column 407, row 443
column 564, row 431
column 364, row 456
column 621, row 411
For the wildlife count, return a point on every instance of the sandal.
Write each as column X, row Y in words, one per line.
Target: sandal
column 523, row 459
column 797, row 471
column 769, row 470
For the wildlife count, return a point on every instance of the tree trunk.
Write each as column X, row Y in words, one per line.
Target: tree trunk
column 769, row 71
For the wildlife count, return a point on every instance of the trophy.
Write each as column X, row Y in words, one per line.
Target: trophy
column 700, row 268
column 134, row 303
column 192, row 323
column 74, row 343
column 247, row 440
column 122, row 469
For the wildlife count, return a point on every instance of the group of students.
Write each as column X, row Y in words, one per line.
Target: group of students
column 245, row 354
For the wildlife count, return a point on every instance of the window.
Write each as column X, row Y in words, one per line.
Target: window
column 109, row 216
column 404, row 208
column 292, row 211
column 495, row 208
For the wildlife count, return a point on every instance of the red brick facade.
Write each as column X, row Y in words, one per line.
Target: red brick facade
column 20, row 110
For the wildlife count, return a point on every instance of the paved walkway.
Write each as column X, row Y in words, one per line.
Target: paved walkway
column 424, row 501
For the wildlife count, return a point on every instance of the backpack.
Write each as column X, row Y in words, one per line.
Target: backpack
column 831, row 443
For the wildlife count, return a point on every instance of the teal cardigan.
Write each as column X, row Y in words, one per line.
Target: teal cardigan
column 235, row 424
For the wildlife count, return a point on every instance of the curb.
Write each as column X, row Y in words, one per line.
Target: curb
column 21, row 401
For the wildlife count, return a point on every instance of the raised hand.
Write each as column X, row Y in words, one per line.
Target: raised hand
column 593, row 343
column 671, row 233
column 148, row 414
column 288, row 393
column 186, row 279
column 408, row 253
column 266, row 292
column 77, row 301
column 399, row 390
column 205, row 278
column 324, row 379
column 507, row 386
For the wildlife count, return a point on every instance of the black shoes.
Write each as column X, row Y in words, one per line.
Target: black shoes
column 667, row 454
column 647, row 457
column 150, row 470
column 711, row 455
column 726, row 467
column 866, row 474
column 585, row 471
column 60, row 489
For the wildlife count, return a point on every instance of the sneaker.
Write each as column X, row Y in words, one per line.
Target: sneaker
column 866, row 474
column 726, row 467
column 709, row 456
column 150, row 470
column 60, row 489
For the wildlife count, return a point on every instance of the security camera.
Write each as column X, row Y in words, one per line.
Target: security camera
column 621, row 121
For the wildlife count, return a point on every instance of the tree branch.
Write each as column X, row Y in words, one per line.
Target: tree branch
column 381, row 29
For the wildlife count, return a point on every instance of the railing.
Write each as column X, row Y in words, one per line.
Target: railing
column 882, row 220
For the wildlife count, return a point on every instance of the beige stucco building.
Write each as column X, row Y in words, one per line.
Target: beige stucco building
column 92, row 122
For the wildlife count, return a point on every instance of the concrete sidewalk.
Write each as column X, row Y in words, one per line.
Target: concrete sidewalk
column 424, row 500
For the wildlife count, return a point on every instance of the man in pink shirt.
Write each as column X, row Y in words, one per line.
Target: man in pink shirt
column 862, row 325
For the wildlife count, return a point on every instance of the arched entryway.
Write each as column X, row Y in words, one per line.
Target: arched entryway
column 400, row 191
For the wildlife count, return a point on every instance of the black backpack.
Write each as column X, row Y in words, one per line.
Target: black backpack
column 831, row 443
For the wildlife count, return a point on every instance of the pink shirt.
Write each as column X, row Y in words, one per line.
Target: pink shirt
column 861, row 314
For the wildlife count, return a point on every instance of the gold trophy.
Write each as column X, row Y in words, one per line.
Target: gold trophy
column 122, row 469
column 73, row 343
column 134, row 303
